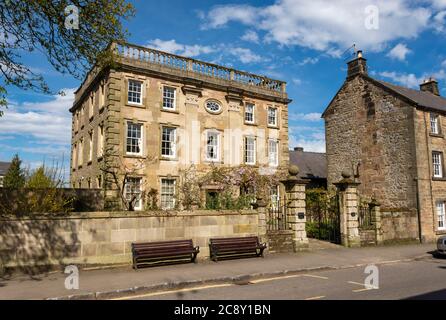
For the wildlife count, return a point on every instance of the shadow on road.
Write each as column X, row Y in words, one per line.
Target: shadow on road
column 434, row 295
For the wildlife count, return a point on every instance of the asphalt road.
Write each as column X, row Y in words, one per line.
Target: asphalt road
column 423, row 279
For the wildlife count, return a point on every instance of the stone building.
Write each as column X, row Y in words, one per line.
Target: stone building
column 312, row 167
column 391, row 139
column 4, row 166
column 161, row 113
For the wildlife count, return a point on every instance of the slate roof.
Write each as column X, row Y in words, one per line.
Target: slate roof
column 421, row 98
column 311, row 164
column 4, row 166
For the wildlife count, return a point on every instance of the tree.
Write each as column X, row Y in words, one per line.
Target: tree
column 118, row 176
column 14, row 177
column 50, row 27
column 40, row 179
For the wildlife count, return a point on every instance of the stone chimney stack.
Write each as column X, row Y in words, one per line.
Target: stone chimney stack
column 357, row 66
column 430, row 85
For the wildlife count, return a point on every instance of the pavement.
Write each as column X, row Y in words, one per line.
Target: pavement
column 123, row 281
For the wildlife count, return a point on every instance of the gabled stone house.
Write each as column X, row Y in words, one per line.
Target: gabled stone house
column 171, row 112
column 392, row 139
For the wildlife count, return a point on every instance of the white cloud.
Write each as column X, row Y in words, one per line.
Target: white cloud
column 244, row 55
column 406, row 79
column 439, row 21
column 309, row 60
column 250, row 36
column 443, row 64
column 439, row 4
column 221, row 15
column 313, row 116
column 297, row 81
column 48, row 122
column 313, row 145
column 399, row 52
column 181, row 49
column 328, row 26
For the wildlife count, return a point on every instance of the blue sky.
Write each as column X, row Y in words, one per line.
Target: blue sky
column 299, row 41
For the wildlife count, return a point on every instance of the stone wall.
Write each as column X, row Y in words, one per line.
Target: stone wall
column 398, row 226
column 105, row 238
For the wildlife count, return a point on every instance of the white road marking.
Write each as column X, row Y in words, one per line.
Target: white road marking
column 174, row 291
column 315, row 298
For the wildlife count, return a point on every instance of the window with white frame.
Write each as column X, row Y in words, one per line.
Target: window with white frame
column 134, row 93
column 100, row 140
column 274, row 196
column 90, row 146
column 272, row 116
column 102, row 95
column 435, row 127
column 250, row 150
column 249, row 113
column 441, row 216
column 168, row 142
column 75, row 155
column 91, row 107
column 437, row 162
column 273, row 152
column 169, row 96
column 80, row 157
column 168, row 193
column 134, row 138
column 133, row 192
column 213, row 146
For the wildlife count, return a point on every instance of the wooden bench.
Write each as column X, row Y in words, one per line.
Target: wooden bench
column 163, row 252
column 236, row 247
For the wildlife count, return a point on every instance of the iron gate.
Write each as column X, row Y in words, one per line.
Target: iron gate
column 277, row 216
column 323, row 217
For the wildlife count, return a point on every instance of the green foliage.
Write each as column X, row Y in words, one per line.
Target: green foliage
column 152, row 199
column 14, row 177
column 28, row 26
column 40, row 179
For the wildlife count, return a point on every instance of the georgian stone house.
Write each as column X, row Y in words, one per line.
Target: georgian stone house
column 392, row 139
column 170, row 112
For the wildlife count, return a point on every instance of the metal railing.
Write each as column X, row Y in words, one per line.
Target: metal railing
column 173, row 61
column 277, row 216
column 365, row 217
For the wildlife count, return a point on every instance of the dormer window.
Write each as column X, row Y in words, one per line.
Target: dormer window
column 435, row 124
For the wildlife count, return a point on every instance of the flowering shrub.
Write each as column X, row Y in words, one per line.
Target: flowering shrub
column 237, row 187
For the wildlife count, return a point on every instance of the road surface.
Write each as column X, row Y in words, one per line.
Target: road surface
column 422, row 279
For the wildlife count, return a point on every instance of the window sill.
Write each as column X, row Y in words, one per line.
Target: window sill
column 436, row 135
column 135, row 105
column 164, row 158
column 251, row 123
column 440, row 232
column 273, row 127
column 135, row 156
column 170, row 111
column 438, row 179
column 213, row 161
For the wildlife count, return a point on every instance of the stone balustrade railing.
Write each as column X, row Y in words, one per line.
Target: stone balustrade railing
column 151, row 56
